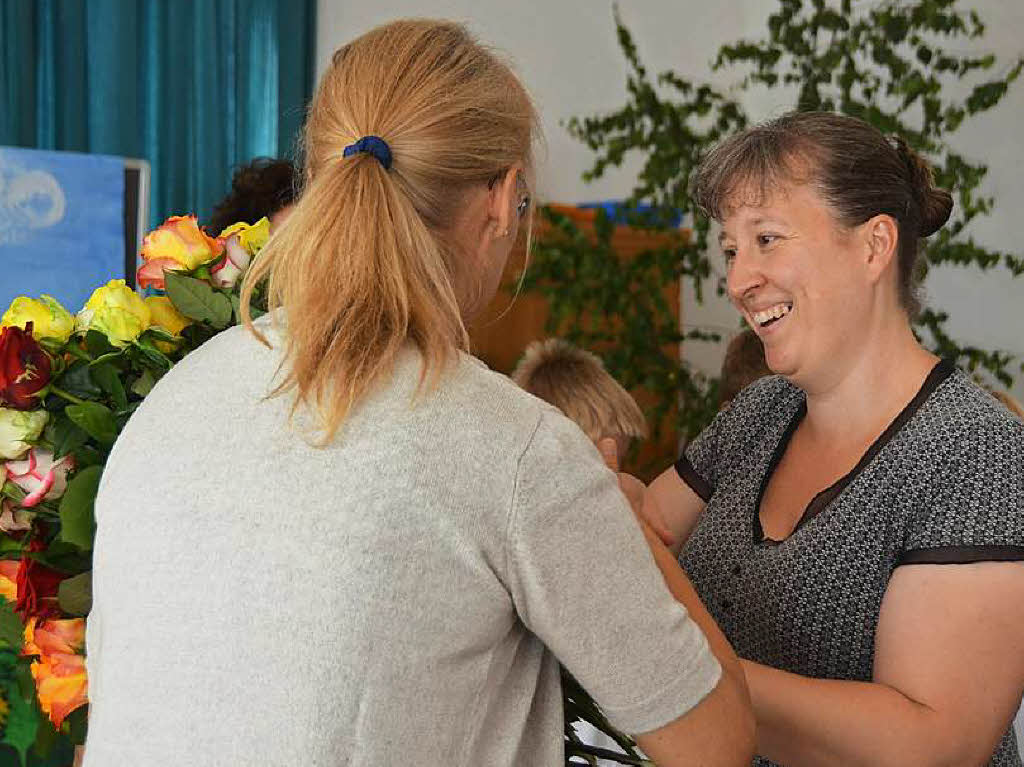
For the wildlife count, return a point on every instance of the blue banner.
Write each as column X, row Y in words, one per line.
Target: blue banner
column 61, row 224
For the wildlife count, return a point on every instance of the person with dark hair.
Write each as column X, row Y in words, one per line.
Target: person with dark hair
column 743, row 364
column 265, row 187
column 855, row 523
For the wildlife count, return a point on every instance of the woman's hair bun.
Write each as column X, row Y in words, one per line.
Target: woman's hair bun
column 935, row 204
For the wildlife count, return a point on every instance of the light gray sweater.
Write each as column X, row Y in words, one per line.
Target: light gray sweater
column 399, row 597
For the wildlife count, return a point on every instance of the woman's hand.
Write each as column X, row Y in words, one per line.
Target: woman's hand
column 642, row 503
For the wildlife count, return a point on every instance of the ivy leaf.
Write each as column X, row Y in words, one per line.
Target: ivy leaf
column 78, row 525
column 197, row 300
column 96, row 419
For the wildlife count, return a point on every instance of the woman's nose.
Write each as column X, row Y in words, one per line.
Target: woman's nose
column 744, row 275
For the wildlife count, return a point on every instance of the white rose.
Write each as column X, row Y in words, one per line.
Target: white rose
column 17, row 429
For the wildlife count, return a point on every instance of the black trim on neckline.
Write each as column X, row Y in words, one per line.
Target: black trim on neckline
column 689, row 475
column 939, row 373
column 961, row 555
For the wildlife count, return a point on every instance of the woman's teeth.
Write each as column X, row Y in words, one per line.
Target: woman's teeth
column 771, row 314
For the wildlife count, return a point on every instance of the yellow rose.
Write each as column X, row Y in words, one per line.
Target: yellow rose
column 252, row 237
column 116, row 311
column 49, row 319
column 163, row 313
column 241, row 242
column 178, row 244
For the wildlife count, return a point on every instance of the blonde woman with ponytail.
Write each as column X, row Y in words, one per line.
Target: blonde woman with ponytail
column 354, row 544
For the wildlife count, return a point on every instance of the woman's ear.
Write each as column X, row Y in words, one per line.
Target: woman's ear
column 503, row 201
column 881, row 238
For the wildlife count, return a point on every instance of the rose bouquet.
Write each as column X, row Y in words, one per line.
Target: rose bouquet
column 68, row 384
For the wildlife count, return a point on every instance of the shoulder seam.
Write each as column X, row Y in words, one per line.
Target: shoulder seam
column 511, row 513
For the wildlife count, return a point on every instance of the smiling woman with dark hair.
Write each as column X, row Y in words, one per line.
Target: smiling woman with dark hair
column 855, row 523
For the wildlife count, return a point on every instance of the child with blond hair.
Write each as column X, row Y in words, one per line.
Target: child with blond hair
column 576, row 382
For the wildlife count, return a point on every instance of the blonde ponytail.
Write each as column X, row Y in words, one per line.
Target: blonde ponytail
column 364, row 263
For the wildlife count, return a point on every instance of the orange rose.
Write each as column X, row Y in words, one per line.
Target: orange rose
column 178, row 244
column 59, row 674
column 54, row 636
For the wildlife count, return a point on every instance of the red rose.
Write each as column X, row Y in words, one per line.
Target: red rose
column 37, row 587
column 24, row 368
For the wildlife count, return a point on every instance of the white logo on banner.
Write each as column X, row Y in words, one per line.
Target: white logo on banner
column 29, row 200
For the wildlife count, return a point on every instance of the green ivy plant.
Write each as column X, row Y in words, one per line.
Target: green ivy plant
column 890, row 64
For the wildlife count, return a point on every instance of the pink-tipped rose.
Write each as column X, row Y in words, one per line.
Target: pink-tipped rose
column 39, row 475
column 178, row 244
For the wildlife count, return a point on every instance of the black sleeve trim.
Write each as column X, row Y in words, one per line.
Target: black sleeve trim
column 689, row 475
column 962, row 555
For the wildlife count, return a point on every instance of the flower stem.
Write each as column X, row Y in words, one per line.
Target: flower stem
column 66, row 395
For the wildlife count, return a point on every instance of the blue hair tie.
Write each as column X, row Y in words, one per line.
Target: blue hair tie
column 374, row 145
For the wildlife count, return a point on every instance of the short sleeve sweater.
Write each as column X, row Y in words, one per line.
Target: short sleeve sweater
column 943, row 484
column 401, row 595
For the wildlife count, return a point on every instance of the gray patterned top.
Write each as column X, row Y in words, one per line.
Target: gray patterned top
column 943, row 484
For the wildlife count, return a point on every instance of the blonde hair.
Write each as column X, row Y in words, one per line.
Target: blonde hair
column 576, row 382
column 366, row 261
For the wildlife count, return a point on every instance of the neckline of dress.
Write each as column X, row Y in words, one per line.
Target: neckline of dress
column 939, row 373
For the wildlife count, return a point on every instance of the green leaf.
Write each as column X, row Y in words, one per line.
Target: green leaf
column 78, row 382
column 76, row 725
column 144, row 383
column 96, row 419
column 197, row 300
column 23, row 722
column 88, row 455
column 74, row 595
column 78, row 525
column 63, row 435
column 11, row 628
column 109, row 379
column 98, row 344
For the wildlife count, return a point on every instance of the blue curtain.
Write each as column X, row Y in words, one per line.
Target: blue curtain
column 196, row 87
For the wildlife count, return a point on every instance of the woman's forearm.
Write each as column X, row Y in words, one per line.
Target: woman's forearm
column 804, row 722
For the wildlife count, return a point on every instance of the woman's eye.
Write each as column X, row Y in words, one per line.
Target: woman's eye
column 729, row 254
column 766, row 239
